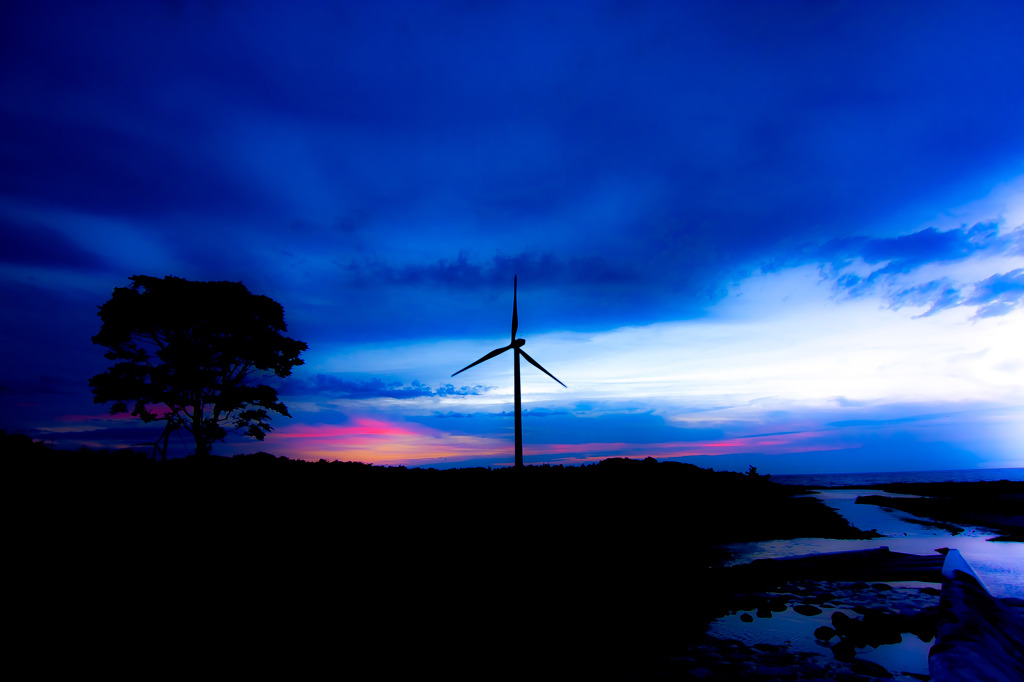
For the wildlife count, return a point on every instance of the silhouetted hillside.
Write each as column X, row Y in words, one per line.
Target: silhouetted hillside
column 569, row 570
column 616, row 501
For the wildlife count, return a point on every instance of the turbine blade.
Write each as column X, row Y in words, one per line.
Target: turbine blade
column 493, row 353
column 537, row 365
column 515, row 313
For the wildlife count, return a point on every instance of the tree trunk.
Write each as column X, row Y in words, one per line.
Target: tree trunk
column 161, row 444
column 199, row 433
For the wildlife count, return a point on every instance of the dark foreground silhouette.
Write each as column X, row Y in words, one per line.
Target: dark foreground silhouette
column 257, row 563
column 190, row 354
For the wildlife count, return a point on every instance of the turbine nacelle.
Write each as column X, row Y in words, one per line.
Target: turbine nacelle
column 518, row 343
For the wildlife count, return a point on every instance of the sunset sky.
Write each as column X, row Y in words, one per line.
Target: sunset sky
column 780, row 234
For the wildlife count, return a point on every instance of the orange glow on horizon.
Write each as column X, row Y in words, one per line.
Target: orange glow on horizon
column 387, row 443
column 381, row 442
column 362, row 426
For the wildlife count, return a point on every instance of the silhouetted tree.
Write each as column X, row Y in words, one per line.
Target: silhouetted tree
column 186, row 352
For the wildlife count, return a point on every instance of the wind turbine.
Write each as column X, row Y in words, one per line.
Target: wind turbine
column 516, row 345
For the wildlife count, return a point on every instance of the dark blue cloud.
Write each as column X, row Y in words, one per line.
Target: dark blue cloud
column 46, row 327
column 527, row 413
column 999, row 294
column 939, row 295
column 91, row 167
column 910, row 419
column 34, row 244
column 494, row 272
column 905, row 254
column 333, row 386
column 734, row 131
column 562, row 426
column 39, row 385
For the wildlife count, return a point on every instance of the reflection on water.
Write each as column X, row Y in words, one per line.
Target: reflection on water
column 1000, row 565
column 797, row 631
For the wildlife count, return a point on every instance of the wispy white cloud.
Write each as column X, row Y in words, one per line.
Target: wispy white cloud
column 781, row 352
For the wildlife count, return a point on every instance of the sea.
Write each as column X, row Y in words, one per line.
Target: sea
column 883, row 477
column 999, row 564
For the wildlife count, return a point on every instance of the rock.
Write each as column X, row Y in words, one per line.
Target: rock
column 840, row 621
column 746, row 618
column 924, row 623
column 767, row 672
column 847, row 676
column 883, row 628
column 844, row 650
column 771, row 648
column 882, row 587
column 862, row 667
column 764, row 613
column 807, row 610
column 824, row 633
column 859, row 633
column 812, row 671
column 975, row 630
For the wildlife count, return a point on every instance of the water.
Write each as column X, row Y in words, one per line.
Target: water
column 883, row 477
column 1000, row 565
column 796, row 631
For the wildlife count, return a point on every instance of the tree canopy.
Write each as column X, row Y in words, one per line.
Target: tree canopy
column 188, row 353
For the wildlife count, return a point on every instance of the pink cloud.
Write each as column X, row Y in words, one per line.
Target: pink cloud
column 361, row 426
column 384, row 442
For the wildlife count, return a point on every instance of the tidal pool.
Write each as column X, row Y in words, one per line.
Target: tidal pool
column 796, row 632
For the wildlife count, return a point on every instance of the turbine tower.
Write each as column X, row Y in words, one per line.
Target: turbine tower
column 517, row 346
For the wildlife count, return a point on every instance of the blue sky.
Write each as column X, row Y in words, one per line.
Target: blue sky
column 785, row 234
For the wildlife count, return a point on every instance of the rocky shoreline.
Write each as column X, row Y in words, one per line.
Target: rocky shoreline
column 854, row 616
column 843, row 623
column 818, row 618
column 979, row 637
